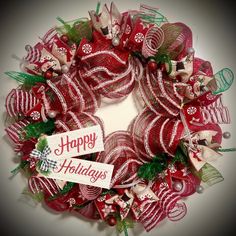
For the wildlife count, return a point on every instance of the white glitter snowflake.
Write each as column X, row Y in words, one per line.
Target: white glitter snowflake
column 107, row 210
column 71, row 201
column 139, row 37
column 86, row 48
column 144, row 196
column 210, row 96
column 35, row 115
column 172, row 168
column 191, row 110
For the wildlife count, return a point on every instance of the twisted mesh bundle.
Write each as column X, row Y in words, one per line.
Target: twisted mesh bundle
column 156, row 134
column 161, row 94
column 119, row 151
column 19, row 102
column 73, row 121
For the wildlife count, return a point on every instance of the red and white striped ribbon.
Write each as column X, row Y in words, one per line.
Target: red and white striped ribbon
column 19, row 102
column 33, row 54
column 39, row 184
column 153, row 41
column 167, row 206
column 14, row 131
column 216, row 113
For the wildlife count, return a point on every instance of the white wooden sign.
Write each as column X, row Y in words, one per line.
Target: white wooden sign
column 75, row 143
column 83, row 172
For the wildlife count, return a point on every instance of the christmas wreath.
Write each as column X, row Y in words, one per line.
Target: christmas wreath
column 168, row 150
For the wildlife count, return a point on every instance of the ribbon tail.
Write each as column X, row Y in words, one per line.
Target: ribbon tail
column 44, row 165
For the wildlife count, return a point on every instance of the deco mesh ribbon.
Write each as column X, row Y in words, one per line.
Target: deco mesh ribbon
column 168, row 152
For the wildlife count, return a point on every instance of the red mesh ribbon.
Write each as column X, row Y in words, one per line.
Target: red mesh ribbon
column 150, row 213
column 19, row 102
column 177, row 45
column 108, row 70
column 156, row 134
column 73, row 121
column 14, row 131
column 199, row 65
column 89, row 211
column 69, row 92
column 167, row 206
column 119, row 151
column 152, row 42
column 160, row 94
column 39, row 184
column 90, row 192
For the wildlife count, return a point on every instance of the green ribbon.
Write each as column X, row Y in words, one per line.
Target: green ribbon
column 25, row 79
column 224, row 79
column 152, row 16
column 98, row 8
column 227, row 150
column 181, row 155
column 210, row 175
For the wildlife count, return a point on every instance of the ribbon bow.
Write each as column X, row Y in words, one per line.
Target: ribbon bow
column 46, row 163
column 203, row 151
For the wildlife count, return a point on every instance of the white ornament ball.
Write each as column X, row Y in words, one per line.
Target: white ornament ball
column 115, row 41
column 226, row 135
column 52, row 114
column 27, row 47
column 199, row 189
column 191, row 50
column 178, row 186
column 64, row 69
column 19, row 154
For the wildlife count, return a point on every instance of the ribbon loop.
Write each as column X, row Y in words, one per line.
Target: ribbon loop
column 42, row 156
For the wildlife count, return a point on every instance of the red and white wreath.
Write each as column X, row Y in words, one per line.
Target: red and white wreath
column 168, row 150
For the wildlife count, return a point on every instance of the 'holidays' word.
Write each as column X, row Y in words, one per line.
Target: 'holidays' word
column 68, row 167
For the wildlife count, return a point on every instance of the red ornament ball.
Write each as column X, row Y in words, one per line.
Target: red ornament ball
column 48, row 74
column 111, row 221
column 152, row 66
column 65, row 38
